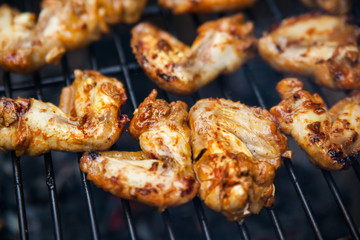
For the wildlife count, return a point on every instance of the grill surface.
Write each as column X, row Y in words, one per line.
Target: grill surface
column 310, row 203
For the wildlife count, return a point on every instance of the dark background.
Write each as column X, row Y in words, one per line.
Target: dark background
column 184, row 221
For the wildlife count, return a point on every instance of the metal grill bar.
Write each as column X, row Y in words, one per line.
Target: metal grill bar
column 202, row 218
column 50, row 178
column 19, row 197
column 47, row 81
column 19, row 193
column 128, row 218
column 84, row 181
column 349, row 221
column 278, row 16
column 90, row 205
column 125, row 71
column 166, row 218
column 50, row 182
column 332, row 185
column 275, row 220
column 200, row 210
column 271, row 211
column 309, row 213
column 287, row 162
column 125, row 68
column 243, row 229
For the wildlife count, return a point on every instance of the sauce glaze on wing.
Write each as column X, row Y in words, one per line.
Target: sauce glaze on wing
column 204, row 6
column 28, row 43
column 222, row 46
column 160, row 175
column 91, row 118
column 329, row 137
column 318, row 46
column 236, row 150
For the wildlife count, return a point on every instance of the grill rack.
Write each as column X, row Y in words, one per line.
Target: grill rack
column 36, row 82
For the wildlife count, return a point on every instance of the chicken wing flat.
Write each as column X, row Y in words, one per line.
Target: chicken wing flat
column 318, row 46
column 28, row 44
column 329, row 137
column 204, row 6
column 161, row 175
column 236, row 150
column 340, row 7
column 91, row 119
column 222, row 46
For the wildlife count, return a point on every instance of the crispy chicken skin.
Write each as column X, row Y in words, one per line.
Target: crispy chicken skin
column 329, row 137
column 236, row 149
column 204, row 6
column 222, row 46
column 28, row 44
column 340, row 7
column 91, row 119
column 318, row 46
column 161, row 175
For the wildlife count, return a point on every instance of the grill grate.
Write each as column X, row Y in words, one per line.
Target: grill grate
column 126, row 68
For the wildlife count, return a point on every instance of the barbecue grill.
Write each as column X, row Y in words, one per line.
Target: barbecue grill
column 309, row 203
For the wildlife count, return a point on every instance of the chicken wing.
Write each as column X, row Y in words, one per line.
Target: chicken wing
column 28, row 44
column 204, row 6
column 222, row 46
column 318, row 46
column 340, row 7
column 329, row 137
column 236, row 150
column 91, row 119
column 161, row 175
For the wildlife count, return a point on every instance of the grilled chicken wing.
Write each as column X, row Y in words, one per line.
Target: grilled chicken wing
column 204, row 6
column 91, row 119
column 329, row 137
column 222, row 46
column 319, row 46
column 340, row 7
column 237, row 150
column 27, row 44
column 161, row 175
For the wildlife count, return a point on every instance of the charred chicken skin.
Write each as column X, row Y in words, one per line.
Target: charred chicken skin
column 340, row 7
column 222, row 46
column 318, row 46
column 160, row 175
column 91, row 119
column 28, row 44
column 329, row 137
column 204, row 6
column 236, row 150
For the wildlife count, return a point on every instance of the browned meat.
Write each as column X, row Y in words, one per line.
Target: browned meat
column 236, row 150
column 204, row 6
column 28, row 44
column 340, row 7
column 91, row 119
column 222, row 46
column 318, row 46
column 329, row 137
column 161, row 175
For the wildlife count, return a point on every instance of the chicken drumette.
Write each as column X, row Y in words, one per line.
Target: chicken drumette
column 222, row 46
column 27, row 44
column 236, row 150
column 160, row 175
column 329, row 137
column 91, row 118
column 318, row 46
